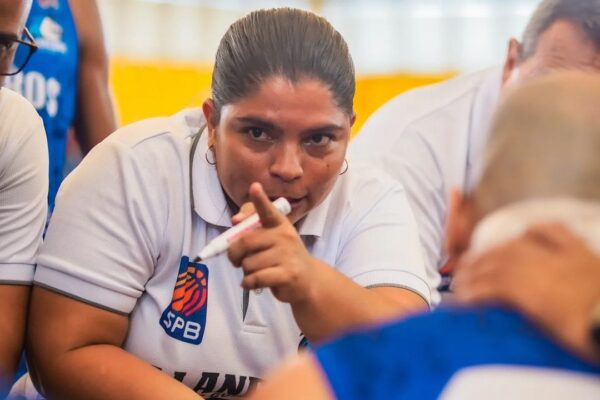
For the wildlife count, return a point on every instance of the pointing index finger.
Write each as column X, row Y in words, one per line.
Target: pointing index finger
column 268, row 213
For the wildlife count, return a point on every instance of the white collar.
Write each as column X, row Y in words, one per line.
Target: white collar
column 314, row 222
column 582, row 217
column 209, row 200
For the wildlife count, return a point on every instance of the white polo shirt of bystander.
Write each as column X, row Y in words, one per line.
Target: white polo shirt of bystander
column 23, row 187
column 431, row 141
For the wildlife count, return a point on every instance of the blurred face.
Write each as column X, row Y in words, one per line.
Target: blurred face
column 290, row 137
column 461, row 221
column 13, row 14
column 563, row 46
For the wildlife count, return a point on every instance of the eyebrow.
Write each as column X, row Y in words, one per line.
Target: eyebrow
column 325, row 128
column 6, row 35
column 252, row 120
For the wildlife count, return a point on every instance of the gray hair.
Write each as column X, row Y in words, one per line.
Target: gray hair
column 584, row 13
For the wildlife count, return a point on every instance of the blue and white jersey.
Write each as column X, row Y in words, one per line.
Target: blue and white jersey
column 454, row 354
column 49, row 80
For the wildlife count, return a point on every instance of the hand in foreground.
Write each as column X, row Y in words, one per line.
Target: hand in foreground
column 548, row 274
column 272, row 256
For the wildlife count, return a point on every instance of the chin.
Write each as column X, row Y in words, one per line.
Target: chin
column 295, row 217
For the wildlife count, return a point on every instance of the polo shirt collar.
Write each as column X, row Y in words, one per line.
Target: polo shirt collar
column 209, row 200
column 314, row 222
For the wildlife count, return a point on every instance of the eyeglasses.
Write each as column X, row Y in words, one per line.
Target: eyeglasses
column 21, row 49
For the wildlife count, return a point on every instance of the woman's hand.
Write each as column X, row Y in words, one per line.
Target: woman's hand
column 323, row 300
column 272, row 256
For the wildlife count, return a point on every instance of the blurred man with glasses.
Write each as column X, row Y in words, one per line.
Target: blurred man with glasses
column 67, row 78
column 10, row 45
column 23, row 189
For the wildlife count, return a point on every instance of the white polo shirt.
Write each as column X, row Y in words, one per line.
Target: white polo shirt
column 430, row 140
column 124, row 228
column 23, row 187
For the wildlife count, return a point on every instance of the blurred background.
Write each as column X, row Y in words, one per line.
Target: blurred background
column 161, row 51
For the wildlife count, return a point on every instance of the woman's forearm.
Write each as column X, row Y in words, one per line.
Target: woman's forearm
column 13, row 309
column 335, row 303
column 107, row 372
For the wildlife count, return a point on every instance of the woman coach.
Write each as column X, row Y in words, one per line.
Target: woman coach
column 121, row 310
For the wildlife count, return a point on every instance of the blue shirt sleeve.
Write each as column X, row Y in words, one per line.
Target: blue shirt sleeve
column 416, row 358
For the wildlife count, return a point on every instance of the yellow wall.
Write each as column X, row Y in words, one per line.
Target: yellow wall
column 149, row 88
column 374, row 90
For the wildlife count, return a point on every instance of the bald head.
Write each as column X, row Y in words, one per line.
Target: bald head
column 544, row 142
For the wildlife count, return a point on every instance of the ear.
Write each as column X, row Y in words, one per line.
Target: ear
column 459, row 224
column 208, row 108
column 352, row 119
column 512, row 60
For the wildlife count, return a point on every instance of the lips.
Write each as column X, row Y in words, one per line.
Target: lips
column 295, row 201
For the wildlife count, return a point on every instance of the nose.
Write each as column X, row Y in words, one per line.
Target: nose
column 287, row 163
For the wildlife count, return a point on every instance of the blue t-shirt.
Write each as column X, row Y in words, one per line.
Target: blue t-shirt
column 416, row 358
column 49, row 80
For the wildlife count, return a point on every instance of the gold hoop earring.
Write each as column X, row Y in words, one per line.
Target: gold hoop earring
column 212, row 150
column 345, row 169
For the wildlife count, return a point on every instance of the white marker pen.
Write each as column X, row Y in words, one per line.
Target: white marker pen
column 221, row 243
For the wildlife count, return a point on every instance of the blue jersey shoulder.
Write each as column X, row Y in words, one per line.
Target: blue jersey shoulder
column 416, row 358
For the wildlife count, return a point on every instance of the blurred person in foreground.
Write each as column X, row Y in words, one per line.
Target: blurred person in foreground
column 541, row 165
column 431, row 139
column 548, row 274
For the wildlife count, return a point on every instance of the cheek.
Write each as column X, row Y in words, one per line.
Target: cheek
column 237, row 168
column 335, row 162
column 324, row 175
column 4, row 65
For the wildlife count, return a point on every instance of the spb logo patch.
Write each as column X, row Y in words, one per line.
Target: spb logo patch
column 185, row 317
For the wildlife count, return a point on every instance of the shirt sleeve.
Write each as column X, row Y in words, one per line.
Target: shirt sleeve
column 399, row 359
column 376, row 362
column 409, row 159
column 381, row 246
column 349, row 372
column 103, row 239
column 23, row 195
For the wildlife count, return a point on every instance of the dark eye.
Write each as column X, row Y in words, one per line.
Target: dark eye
column 319, row 139
column 258, row 134
column 6, row 45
